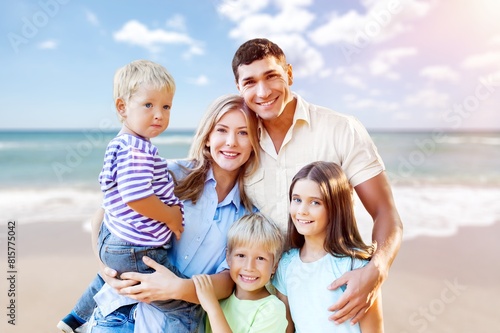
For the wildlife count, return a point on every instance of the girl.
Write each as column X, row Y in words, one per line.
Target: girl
column 324, row 243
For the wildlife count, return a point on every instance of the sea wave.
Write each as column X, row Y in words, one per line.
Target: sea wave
column 460, row 140
column 173, row 140
column 425, row 210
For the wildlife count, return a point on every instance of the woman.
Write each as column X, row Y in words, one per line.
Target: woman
column 210, row 184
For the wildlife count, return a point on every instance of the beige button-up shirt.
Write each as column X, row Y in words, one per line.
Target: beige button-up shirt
column 317, row 134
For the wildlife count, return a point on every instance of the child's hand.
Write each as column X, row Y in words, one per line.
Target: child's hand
column 176, row 224
column 205, row 292
column 177, row 232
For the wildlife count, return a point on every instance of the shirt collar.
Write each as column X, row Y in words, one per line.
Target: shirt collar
column 232, row 197
column 301, row 113
column 301, row 110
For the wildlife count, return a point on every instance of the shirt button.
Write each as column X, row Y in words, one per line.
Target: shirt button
column 186, row 257
column 198, row 239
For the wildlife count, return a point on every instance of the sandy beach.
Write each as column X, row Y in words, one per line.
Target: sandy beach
column 437, row 284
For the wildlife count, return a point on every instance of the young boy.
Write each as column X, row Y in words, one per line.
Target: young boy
column 141, row 210
column 254, row 246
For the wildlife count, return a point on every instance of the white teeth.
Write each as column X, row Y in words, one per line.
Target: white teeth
column 304, row 221
column 229, row 154
column 248, row 278
column 267, row 103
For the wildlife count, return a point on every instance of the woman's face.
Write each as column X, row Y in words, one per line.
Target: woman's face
column 229, row 142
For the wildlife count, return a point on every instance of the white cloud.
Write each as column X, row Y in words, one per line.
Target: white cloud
column 495, row 40
column 428, row 98
column 49, row 44
column 339, row 29
column 136, row 33
column 349, row 97
column 488, row 59
column 369, row 103
column 440, row 73
column 201, row 80
column 235, row 10
column 385, row 60
column 286, row 28
column 177, row 22
column 290, row 20
column 382, row 20
column 354, row 81
column 92, row 18
column 305, row 60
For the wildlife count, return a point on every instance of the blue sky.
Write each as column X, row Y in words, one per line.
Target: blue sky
column 399, row 64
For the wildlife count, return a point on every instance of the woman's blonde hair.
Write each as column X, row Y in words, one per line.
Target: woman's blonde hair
column 191, row 186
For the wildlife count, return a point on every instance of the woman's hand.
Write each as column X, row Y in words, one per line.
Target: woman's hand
column 160, row 285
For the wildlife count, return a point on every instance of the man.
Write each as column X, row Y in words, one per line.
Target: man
column 294, row 133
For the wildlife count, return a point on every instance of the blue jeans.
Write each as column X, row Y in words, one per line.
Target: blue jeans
column 185, row 318
column 127, row 257
column 124, row 256
column 121, row 320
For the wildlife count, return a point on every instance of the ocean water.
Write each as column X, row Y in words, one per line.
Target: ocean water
column 441, row 181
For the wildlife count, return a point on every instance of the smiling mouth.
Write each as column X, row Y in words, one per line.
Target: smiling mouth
column 229, row 154
column 268, row 103
column 304, row 221
column 248, row 278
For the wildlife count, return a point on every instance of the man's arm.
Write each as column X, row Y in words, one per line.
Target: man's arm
column 165, row 285
column 373, row 321
column 364, row 284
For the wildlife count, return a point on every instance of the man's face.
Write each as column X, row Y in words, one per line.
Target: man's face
column 265, row 86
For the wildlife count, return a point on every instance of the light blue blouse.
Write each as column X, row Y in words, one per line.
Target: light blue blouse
column 202, row 248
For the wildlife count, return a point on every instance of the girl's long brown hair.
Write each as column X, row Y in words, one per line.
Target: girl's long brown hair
column 342, row 236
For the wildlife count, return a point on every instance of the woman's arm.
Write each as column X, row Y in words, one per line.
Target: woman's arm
column 165, row 285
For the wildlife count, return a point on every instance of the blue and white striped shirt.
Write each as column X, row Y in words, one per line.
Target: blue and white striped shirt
column 133, row 170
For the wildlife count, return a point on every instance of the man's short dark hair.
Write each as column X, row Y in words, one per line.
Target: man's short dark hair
column 257, row 49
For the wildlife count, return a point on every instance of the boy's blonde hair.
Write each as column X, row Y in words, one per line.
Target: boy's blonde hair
column 253, row 229
column 130, row 77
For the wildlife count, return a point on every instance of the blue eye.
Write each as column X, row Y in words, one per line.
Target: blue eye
column 166, row 107
column 148, row 105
